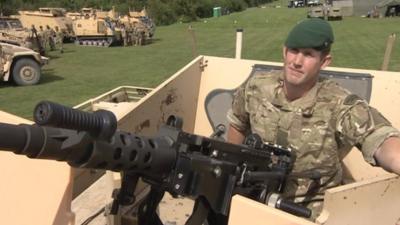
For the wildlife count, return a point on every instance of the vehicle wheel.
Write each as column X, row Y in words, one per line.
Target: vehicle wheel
column 26, row 72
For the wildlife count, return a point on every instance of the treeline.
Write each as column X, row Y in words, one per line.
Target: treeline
column 163, row 12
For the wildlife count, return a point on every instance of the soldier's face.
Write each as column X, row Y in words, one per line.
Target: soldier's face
column 302, row 66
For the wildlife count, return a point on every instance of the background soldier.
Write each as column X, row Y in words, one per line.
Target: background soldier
column 59, row 39
column 142, row 37
column 43, row 37
column 124, row 35
column 135, row 35
column 1, row 59
column 51, row 35
column 37, row 40
column 129, row 34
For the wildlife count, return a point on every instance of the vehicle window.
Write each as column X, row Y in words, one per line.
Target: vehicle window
column 3, row 25
column 15, row 24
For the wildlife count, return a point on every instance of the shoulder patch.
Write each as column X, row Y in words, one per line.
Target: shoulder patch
column 351, row 99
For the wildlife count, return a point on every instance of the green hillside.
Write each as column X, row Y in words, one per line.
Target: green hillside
column 85, row 72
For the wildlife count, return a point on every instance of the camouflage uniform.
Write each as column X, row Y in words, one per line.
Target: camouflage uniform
column 124, row 35
column 60, row 40
column 129, row 34
column 321, row 127
column 43, row 35
column 1, row 60
column 135, row 36
column 52, row 35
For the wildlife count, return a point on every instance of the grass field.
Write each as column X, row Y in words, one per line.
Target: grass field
column 85, row 72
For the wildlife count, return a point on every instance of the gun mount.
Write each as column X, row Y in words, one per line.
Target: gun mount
column 208, row 170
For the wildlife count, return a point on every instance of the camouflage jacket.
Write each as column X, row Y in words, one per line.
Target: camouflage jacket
column 321, row 127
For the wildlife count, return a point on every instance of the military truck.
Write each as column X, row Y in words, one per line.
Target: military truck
column 12, row 32
column 52, row 17
column 316, row 12
column 334, row 13
column 21, row 65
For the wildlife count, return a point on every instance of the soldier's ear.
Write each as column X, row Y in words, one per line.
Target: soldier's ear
column 326, row 60
column 284, row 51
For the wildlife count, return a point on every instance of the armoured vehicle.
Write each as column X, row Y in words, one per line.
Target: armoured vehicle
column 12, row 32
column 96, row 28
column 21, row 65
column 53, row 17
column 200, row 93
column 334, row 13
column 142, row 19
column 316, row 12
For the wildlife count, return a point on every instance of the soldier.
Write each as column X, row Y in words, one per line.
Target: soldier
column 135, row 36
column 59, row 40
column 319, row 120
column 37, row 39
column 140, row 36
column 43, row 36
column 129, row 34
column 51, row 35
column 124, row 35
column 1, row 60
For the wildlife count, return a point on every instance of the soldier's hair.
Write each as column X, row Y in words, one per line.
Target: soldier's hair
column 325, row 51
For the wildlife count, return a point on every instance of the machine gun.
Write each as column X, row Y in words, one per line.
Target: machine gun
column 206, row 169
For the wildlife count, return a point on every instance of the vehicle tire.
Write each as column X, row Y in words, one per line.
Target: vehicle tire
column 26, row 72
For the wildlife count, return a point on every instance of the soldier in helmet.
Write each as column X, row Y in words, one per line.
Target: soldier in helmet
column 315, row 117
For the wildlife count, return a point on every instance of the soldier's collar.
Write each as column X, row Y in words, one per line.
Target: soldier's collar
column 304, row 105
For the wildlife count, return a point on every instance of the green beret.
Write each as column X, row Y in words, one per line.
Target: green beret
column 310, row 33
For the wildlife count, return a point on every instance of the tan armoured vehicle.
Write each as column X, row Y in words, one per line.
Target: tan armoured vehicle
column 334, row 13
column 316, row 12
column 20, row 65
column 142, row 19
column 96, row 28
column 95, row 32
column 53, row 17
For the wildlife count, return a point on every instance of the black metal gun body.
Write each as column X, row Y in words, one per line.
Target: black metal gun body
column 184, row 164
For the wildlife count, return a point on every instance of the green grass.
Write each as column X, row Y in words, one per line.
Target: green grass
column 85, row 72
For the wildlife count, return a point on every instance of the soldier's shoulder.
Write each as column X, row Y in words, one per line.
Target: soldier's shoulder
column 266, row 77
column 263, row 82
column 334, row 92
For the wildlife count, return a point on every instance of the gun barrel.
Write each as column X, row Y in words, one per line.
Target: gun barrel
column 34, row 141
column 12, row 137
column 126, row 152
